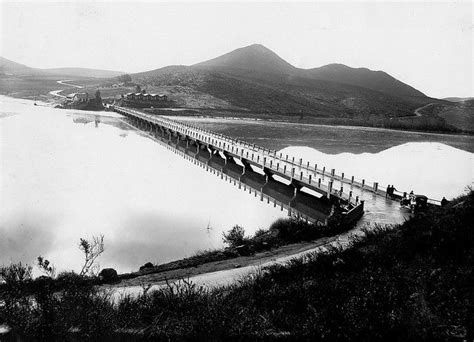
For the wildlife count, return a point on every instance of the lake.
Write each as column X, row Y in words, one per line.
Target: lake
column 69, row 174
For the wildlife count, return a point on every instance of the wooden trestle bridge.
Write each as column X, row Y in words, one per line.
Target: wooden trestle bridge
column 310, row 192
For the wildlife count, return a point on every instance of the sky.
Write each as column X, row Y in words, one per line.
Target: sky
column 427, row 44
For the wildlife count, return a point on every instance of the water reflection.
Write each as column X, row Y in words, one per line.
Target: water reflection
column 66, row 176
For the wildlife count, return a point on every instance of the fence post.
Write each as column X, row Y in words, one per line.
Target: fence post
column 301, row 175
column 342, row 176
column 329, row 189
column 352, row 180
column 376, row 186
column 319, row 182
column 363, row 183
column 309, row 179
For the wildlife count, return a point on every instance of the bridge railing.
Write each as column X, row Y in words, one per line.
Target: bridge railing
column 260, row 155
column 289, row 164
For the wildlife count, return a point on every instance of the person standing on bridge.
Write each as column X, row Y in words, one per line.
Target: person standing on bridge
column 444, row 201
column 387, row 192
column 392, row 191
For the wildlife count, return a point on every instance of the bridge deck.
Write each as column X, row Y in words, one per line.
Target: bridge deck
column 315, row 177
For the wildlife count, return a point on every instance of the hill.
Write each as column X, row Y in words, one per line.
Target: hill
column 84, row 72
column 363, row 77
column 256, row 79
column 253, row 58
column 458, row 99
column 11, row 68
column 8, row 67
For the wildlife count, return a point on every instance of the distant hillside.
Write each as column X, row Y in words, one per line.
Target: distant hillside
column 459, row 99
column 257, row 79
column 363, row 77
column 10, row 68
column 84, row 72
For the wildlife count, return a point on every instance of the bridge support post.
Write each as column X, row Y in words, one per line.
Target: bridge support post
column 330, row 188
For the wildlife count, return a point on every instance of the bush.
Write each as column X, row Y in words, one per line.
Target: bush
column 234, row 237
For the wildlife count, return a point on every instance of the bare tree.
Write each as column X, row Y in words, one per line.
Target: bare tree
column 92, row 250
column 46, row 267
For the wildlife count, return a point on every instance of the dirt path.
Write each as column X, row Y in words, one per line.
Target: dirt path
column 227, row 272
column 417, row 111
column 57, row 93
column 63, row 82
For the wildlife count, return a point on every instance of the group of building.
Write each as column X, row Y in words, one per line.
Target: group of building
column 78, row 97
column 146, row 97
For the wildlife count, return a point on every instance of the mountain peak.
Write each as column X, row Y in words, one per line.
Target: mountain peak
column 255, row 57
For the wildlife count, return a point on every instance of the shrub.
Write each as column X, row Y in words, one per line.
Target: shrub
column 234, row 237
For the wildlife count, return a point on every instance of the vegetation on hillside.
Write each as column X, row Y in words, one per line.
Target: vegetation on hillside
column 409, row 282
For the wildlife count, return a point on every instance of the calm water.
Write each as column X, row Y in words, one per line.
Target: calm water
column 64, row 177
column 70, row 174
column 326, row 139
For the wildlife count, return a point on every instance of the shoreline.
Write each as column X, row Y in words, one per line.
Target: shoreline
column 226, row 272
column 55, row 94
column 286, row 123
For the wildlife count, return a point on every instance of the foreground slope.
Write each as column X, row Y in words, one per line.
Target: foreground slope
column 411, row 282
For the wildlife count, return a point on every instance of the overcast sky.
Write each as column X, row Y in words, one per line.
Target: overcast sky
column 428, row 45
